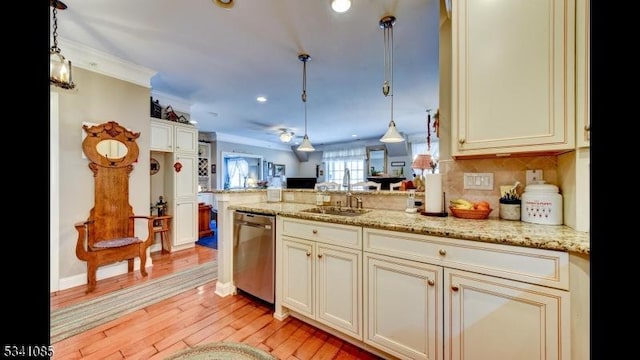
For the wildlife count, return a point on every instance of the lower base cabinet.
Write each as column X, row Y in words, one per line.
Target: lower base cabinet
column 428, row 297
column 493, row 318
column 321, row 280
column 404, row 307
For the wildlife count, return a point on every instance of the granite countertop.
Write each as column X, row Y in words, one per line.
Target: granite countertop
column 518, row 233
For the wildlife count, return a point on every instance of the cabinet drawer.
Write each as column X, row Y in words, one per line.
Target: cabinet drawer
column 536, row 266
column 337, row 234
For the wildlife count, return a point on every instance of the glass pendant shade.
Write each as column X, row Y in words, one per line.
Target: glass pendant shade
column 392, row 135
column 60, row 71
column 306, row 145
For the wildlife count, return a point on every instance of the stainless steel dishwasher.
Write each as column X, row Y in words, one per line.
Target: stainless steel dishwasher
column 254, row 254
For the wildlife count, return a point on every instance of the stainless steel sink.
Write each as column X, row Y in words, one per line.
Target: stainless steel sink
column 334, row 210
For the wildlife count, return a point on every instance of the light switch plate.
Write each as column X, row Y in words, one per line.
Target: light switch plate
column 478, row 181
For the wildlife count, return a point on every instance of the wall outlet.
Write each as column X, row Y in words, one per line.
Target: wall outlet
column 478, row 181
column 534, row 176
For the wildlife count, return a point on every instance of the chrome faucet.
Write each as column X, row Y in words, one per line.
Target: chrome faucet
column 346, row 181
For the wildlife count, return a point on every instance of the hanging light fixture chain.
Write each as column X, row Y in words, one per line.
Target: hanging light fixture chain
column 55, row 29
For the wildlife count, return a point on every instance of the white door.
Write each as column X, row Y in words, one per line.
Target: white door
column 184, row 220
column 297, row 275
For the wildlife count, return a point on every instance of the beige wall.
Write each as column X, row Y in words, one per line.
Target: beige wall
column 97, row 98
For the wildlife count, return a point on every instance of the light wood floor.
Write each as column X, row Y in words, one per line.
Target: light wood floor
column 198, row 316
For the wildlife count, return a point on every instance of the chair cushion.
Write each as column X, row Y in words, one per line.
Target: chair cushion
column 113, row 243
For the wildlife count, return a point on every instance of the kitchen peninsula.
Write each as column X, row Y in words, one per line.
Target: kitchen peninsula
column 382, row 249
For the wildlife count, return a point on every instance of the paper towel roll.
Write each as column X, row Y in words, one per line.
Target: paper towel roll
column 433, row 193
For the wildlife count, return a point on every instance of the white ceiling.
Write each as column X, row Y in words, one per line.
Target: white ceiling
column 219, row 60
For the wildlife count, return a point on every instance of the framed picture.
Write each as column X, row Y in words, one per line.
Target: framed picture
column 278, row 170
column 213, row 168
column 397, row 163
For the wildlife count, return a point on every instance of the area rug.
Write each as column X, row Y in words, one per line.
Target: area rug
column 209, row 241
column 74, row 319
column 222, row 351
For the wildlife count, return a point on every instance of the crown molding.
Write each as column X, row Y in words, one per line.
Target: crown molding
column 100, row 62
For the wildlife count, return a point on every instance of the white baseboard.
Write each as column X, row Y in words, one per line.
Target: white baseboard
column 225, row 289
column 103, row 272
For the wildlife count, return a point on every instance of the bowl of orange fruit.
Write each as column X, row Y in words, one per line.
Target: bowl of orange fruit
column 465, row 209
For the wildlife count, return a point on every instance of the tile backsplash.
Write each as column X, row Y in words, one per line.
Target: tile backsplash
column 506, row 171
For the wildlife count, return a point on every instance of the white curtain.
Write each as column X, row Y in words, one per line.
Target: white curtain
column 352, row 154
column 238, row 171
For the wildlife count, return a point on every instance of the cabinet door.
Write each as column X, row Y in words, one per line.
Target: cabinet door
column 403, row 308
column 583, row 93
column 185, row 223
column 161, row 137
column 297, row 275
column 513, row 76
column 339, row 288
column 186, row 180
column 499, row 319
column 186, row 139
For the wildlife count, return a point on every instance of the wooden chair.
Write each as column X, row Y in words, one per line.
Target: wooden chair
column 368, row 185
column 394, row 186
column 108, row 235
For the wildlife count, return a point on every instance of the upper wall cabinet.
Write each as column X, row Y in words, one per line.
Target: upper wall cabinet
column 513, row 77
column 173, row 137
column 583, row 84
column 161, row 136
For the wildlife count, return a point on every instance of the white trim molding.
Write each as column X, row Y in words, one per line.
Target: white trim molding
column 97, row 61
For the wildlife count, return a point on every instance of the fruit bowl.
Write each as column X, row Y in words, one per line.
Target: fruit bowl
column 470, row 213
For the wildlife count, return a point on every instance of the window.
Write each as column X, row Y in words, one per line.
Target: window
column 335, row 161
column 238, row 169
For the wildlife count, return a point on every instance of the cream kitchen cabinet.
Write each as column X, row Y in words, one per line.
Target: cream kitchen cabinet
column 185, row 226
column 493, row 318
column 321, row 273
column 186, row 139
column 178, row 144
column 513, row 77
column 583, row 67
column 161, row 136
column 168, row 136
column 493, row 301
column 403, row 302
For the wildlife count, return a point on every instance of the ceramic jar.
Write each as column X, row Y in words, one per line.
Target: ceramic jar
column 510, row 211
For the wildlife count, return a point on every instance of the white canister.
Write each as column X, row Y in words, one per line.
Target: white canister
column 541, row 204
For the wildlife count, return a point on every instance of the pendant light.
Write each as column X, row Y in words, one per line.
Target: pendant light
column 59, row 67
column 386, row 23
column 306, row 144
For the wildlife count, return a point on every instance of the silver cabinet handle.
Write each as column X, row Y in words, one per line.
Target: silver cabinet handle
column 442, row 252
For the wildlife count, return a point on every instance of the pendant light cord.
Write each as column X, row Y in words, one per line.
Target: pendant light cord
column 304, row 92
column 55, row 47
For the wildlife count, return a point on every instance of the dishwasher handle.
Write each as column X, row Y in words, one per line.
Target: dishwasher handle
column 246, row 223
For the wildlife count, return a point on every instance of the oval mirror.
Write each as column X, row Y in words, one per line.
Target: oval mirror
column 112, row 149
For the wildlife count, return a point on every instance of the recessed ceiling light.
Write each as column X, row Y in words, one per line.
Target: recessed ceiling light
column 261, row 99
column 340, row 6
column 227, row 4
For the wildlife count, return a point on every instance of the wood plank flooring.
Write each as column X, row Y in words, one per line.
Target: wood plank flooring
column 194, row 317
